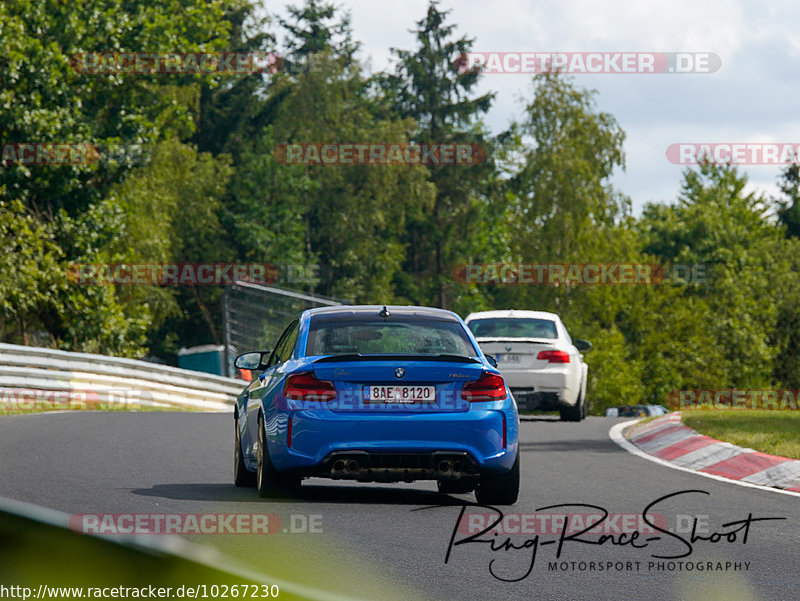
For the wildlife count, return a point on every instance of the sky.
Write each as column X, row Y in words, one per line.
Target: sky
column 752, row 97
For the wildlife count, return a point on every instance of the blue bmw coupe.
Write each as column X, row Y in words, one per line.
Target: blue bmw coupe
column 377, row 394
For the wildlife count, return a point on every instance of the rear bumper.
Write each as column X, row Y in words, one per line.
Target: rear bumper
column 319, row 436
column 370, row 466
column 550, row 379
column 541, row 389
column 529, row 399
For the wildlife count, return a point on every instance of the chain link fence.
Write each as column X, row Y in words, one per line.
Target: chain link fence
column 255, row 315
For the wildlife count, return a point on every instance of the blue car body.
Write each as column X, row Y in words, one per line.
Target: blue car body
column 443, row 438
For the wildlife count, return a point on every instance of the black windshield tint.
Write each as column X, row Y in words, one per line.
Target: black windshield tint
column 395, row 336
column 508, row 327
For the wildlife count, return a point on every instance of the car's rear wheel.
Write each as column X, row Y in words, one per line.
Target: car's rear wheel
column 455, row 487
column 269, row 481
column 241, row 475
column 575, row 413
column 499, row 489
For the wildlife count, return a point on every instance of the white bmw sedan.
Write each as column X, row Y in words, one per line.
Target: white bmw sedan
column 541, row 364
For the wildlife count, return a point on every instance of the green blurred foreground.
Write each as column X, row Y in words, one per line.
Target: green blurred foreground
column 36, row 553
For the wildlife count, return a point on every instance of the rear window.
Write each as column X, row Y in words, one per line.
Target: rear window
column 395, row 335
column 513, row 327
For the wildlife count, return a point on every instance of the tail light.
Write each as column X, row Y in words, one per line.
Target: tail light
column 306, row 387
column 489, row 387
column 554, row 356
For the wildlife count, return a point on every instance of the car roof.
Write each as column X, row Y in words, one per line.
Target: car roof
column 359, row 310
column 513, row 314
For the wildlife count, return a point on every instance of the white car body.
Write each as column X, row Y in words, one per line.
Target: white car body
column 536, row 383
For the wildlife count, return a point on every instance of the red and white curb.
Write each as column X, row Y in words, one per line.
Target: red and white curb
column 667, row 441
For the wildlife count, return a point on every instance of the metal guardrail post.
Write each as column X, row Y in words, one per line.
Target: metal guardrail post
column 226, row 332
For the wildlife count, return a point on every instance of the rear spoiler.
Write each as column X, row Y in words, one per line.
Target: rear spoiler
column 508, row 339
column 360, row 357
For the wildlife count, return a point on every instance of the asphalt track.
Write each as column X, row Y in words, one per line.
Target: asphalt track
column 378, row 543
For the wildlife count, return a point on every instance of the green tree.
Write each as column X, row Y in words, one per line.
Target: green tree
column 354, row 215
column 92, row 318
column 431, row 87
column 230, row 110
column 46, row 98
column 31, row 277
column 171, row 215
column 789, row 206
column 350, row 218
column 787, row 331
column 718, row 225
column 562, row 187
column 615, row 377
column 317, row 28
column 563, row 207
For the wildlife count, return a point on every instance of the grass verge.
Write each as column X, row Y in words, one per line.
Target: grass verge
column 44, row 408
column 773, row 432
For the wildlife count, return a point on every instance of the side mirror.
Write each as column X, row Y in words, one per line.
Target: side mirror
column 492, row 361
column 252, row 360
column 582, row 345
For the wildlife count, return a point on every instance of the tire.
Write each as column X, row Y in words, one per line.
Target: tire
column 499, row 489
column 269, row 481
column 455, row 487
column 575, row 413
column 242, row 477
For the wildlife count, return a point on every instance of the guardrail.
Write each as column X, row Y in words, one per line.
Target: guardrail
column 114, row 379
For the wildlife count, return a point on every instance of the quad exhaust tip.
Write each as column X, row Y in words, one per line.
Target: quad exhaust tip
column 351, row 467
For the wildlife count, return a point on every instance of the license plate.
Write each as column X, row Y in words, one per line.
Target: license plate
column 401, row 395
column 508, row 358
